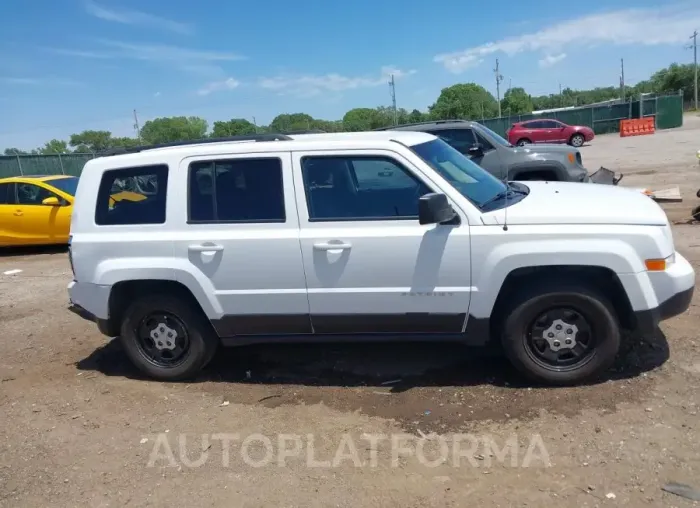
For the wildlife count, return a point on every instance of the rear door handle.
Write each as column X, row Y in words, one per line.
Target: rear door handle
column 206, row 247
column 18, row 213
column 332, row 246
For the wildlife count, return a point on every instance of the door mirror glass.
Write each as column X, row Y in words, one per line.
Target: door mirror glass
column 434, row 208
column 52, row 201
column 476, row 149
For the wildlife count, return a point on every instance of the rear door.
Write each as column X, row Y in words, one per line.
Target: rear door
column 370, row 266
column 240, row 237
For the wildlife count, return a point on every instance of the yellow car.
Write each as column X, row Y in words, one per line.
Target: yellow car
column 36, row 210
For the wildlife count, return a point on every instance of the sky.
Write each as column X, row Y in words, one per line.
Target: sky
column 71, row 65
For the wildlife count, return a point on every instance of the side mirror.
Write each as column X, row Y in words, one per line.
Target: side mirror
column 433, row 208
column 476, row 149
column 52, row 201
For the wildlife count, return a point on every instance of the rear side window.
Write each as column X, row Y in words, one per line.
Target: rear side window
column 132, row 196
column 7, row 193
column 236, row 190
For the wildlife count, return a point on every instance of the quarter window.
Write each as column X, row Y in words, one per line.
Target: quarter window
column 341, row 188
column 236, row 190
column 7, row 193
column 132, row 196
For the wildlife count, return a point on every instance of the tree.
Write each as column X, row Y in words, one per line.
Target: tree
column 287, row 122
column 416, row 116
column 91, row 141
column 673, row 78
column 53, row 147
column 360, row 119
column 14, row 151
column 515, row 102
column 174, row 128
column 465, row 100
column 234, row 127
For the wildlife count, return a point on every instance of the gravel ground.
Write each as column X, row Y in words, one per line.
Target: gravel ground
column 80, row 427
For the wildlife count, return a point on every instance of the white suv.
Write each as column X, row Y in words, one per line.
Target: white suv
column 363, row 236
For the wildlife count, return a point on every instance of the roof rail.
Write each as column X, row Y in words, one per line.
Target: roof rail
column 390, row 127
column 311, row 131
column 244, row 137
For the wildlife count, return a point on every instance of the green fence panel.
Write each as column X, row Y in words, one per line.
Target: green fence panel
column 669, row 112
column 66, row 164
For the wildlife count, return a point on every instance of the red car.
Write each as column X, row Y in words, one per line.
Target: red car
column 548, row 131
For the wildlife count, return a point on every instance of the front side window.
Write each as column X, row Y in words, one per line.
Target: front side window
column 473, row 182
column 236, row 190
column 358, row 187
column 132, row 196
column 31, row 194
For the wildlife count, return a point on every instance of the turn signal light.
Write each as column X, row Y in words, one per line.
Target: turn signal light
column 572, row 157
column 655, row 265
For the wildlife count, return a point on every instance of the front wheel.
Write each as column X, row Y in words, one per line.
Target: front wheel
column 523, row 142
column 166, row 338
column 577, row 140
column 561, row 336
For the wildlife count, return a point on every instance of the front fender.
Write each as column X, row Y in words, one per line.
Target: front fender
column 507, row 257
column 112, row 271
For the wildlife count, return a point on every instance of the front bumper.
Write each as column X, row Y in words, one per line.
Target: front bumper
column 648, row 320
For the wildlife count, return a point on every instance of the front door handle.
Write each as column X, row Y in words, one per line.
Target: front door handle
column 206, row 247
column 332, row 246
column 18, row 213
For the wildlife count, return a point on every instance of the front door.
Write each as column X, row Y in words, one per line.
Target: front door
column 39, row 223
column 9, row 220
column 240, row 239
column 370, row 266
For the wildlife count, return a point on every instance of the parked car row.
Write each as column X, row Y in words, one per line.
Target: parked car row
column 364, row 236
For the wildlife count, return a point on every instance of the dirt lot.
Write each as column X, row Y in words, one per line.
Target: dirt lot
column 79, row 427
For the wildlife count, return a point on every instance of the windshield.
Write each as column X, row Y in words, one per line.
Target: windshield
column 473, row 182
column 496, row 137
column 67, row 185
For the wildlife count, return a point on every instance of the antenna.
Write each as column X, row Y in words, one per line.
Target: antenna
column 392, row 85
column 136, row 127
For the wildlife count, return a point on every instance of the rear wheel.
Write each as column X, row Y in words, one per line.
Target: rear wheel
column 166, row 338
column 577, row 140
column 562, row 335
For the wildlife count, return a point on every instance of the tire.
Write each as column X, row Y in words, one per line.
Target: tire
column 523, row 142
column 522, row 346
column 577, row 140
column 190, row 327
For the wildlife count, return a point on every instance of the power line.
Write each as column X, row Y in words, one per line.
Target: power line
column 392, row 86
column 499, row 78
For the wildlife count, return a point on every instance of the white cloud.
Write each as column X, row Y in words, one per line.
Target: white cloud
column 194, row 61
column 550, row 60
column 134, row 17
column 218, row 86
column 43, row 81
column 157, row 94
column 645, row 27
column 311, row 85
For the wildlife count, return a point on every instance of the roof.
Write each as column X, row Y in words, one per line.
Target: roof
column 435, row 124
column 259, row 144
column 43, row 178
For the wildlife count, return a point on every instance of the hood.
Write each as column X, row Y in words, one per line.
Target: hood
column 544, row 148
column 580, row 203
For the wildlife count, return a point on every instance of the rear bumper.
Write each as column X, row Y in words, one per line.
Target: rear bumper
column 103, row 325
column 91, row 302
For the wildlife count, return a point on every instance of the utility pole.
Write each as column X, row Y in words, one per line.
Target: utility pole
column 561, row 97
column 392, row 86
column 622, row 79
column 499, row 78
column 136, row 126
column 695, row 65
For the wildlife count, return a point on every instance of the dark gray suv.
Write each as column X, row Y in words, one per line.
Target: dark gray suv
column 496, row 155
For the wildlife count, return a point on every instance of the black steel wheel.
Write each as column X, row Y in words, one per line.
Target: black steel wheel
column 560, row 339
column 167, row 337
column 560, row 333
